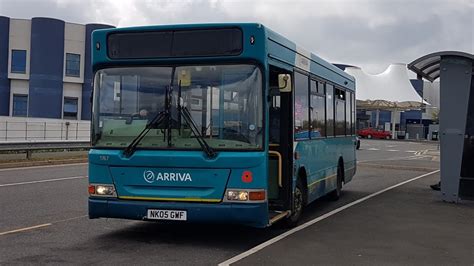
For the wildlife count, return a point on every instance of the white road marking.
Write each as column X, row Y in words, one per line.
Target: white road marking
column 42, row 181
column 40, row 166
column 40, row 225
column 411, row 151
column 25, row 229
column 373, row 149
column 393, row 150
column 318, row 219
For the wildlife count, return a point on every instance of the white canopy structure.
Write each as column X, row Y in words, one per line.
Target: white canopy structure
column 389, row 90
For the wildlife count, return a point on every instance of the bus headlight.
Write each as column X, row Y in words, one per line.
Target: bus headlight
column 236, row 195
column 102, row 190
column 247, row 195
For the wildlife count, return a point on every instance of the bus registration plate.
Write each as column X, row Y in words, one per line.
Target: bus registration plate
column 173, row 215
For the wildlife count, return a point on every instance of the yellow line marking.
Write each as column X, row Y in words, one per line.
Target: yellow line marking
column 170, row 199
column 331, row 176
column 25, row 229
column 317, row 181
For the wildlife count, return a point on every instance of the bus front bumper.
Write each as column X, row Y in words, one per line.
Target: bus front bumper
column 251, row 214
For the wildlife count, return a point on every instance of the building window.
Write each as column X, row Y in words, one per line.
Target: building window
column 20, row 105
column 18, row 63
column 70, row 108
column 73, row 65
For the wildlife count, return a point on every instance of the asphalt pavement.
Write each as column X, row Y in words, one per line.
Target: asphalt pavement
column 43, row 219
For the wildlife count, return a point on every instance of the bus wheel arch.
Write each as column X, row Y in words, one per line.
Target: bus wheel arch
column 336, row 193
column 299, row 198
column 340, row 167
column 303, row 179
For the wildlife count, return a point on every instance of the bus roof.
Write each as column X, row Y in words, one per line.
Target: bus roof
column 281, row 51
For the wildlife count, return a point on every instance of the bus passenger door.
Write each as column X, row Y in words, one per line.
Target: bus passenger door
column 280, row 145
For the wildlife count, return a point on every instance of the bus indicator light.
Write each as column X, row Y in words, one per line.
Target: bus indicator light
column 247, row 177
column 257, row 195
column 91, row 189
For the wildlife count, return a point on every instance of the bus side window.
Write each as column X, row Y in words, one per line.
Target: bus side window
column 301, row 106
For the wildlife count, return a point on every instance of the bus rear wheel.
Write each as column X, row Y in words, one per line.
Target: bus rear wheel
column 298, row 205
column 336, row 194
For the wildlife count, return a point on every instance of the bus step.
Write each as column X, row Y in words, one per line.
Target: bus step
column 278, row 215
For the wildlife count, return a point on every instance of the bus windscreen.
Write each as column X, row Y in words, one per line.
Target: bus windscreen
column 174, row 43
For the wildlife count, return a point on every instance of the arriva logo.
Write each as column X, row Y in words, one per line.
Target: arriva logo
column 150, row 177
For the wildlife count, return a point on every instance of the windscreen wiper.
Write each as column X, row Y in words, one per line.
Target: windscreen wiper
column 184, row 112
column 157, row 119
column 189, row 120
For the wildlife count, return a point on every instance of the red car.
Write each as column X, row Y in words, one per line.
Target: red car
column 374, row 133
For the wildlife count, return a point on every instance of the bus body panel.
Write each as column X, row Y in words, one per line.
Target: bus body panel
column 319, row 157
column 202, row 197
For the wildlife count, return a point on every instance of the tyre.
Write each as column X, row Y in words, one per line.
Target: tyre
column 298, row 205
column 336, row 194
column 369, row 136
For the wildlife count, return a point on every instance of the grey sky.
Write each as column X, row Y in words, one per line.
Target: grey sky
column 367, row 33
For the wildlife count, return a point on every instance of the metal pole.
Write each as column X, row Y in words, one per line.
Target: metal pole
column 393, row 123
column 26, row 130
column 44, row 130
column 67, row 130
column 6, row 130
column 77, row 128
column 377, row 118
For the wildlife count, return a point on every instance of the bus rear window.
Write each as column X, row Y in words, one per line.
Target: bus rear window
column 181, row 43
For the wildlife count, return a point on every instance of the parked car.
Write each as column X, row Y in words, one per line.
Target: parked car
column 374, row 133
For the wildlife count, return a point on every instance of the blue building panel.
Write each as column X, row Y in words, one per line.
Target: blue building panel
column 4, row 81
column 46, row 68
column 88, row 75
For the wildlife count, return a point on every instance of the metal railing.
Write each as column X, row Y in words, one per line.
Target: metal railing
column 29, row 149
column 29, row 130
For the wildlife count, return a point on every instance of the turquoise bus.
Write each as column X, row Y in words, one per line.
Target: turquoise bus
column 215, row 123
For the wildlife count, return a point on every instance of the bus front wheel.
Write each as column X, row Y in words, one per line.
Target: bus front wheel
column 298, row 205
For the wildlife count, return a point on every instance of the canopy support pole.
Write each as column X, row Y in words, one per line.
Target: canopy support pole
column 377, row 118
column 393, row 123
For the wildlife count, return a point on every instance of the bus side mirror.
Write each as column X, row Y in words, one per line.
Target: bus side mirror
column 284, row 82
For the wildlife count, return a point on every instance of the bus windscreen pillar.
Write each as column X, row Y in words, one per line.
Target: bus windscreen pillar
column 455, row 71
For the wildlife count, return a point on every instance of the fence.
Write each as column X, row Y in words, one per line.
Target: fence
column 29, row 130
